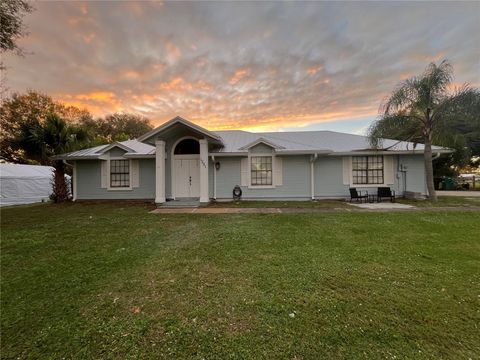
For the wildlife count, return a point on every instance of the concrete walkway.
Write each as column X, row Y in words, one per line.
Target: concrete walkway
column 459, row 193
column 207, row 210
column 383, row 206
column 212, row 210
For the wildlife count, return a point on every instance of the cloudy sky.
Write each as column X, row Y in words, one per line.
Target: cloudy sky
column 256, row 66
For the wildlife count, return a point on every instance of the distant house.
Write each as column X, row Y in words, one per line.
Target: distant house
column 181, row 160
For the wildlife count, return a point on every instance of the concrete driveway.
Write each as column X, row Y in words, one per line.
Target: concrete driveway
column 459, row 193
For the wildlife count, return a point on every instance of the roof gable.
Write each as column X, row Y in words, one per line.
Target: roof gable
column 179, row 120
column 113, row 145
column 261, row 141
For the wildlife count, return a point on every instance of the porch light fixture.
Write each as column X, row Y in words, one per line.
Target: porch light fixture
column 217, row 165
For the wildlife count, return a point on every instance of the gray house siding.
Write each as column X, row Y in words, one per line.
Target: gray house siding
column 329, row 176
column 88, row 177
column 260, row 149
column 227, row 176
column 414, row 173
column 329, row 179
column 116, row 152
column 296, row 179
column 211, row 169
column 328, row 172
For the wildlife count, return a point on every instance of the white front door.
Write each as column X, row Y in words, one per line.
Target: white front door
column 187, row 176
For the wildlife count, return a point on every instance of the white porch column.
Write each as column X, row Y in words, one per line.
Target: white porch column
column 160, row 172
column 203, row 171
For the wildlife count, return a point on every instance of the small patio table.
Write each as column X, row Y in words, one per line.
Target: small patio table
column 372, row 198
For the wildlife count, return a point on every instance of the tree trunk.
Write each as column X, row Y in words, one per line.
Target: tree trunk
column 429, row 169
column 60, row 189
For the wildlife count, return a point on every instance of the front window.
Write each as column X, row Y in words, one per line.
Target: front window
column 261, row 170
column 119, row 173
column 367, row 169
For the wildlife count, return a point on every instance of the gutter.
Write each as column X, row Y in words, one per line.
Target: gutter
column 139, row 156
column 279, row 153
column 396, row 152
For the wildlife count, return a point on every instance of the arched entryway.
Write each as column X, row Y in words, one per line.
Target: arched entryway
column 186, row 168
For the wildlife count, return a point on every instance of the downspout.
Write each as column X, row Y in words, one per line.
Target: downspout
column 312, row 176
column 214, row 179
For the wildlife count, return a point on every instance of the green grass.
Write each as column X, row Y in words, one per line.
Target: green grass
column 444, row 201
column 281, row 204
column 113, row 281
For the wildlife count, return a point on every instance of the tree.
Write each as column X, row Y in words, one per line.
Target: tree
column 11, row 18
column 11, row 24
column 117, row 127
column 24, row 110
column 54, row 136
column 423, row 110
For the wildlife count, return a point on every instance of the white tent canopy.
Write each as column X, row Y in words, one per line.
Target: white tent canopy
column 25, row 184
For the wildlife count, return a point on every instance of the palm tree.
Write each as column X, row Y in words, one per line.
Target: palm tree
column 54, row 136
column 422, row 110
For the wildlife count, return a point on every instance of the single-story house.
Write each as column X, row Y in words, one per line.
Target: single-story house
column 181, row 160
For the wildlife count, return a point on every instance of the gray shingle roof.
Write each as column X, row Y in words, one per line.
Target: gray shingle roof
column 235, row 141
column 137, row 147
column 309, row 141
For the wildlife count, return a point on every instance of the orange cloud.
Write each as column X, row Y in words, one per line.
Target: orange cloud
column 179, row 96
column 89, row 37
column 174, row 84
column 96, row 96
column 405, row 75
column 312, row 70
column 239, row 75
column 84, row 9
column 179, row 84
column 131, row 74
column 97, row 102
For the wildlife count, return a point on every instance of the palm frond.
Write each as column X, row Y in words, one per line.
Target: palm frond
column 439, row 77
column 403, row 97
column 463, row 104
column 397, row 127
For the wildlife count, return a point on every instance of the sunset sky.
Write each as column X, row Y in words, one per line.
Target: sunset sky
column 244, row 65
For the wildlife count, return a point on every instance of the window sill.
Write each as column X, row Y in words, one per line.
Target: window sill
column 253, row 187
column 369, row 185
column 120, row 189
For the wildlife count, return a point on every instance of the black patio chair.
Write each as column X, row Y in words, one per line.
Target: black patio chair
column 357, row 195
column 385, row 192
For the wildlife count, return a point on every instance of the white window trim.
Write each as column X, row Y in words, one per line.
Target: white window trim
column 129, row 188
column 366, row 185
column 250, row 186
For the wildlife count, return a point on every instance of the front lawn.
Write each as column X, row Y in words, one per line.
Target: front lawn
column 114, row 281
column 316, row 204
column 445, row 201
